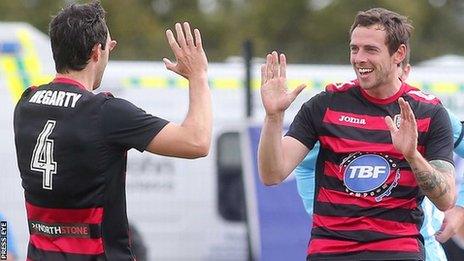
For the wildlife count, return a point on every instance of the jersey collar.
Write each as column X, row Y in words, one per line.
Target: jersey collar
column 388, row 100
column 66, row 80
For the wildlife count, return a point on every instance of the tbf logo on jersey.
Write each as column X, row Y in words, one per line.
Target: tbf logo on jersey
column 367, row 174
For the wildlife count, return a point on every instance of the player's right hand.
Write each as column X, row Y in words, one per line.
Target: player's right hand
column 404, row 137
column 452, row 223
column 274, row 92
column 191, row 61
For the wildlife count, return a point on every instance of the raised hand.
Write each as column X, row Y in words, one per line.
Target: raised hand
column 404, row 138
column 191, row 59
column 274, row 92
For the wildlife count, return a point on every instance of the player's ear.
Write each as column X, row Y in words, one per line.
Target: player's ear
column 400, row 54
column 96, row 52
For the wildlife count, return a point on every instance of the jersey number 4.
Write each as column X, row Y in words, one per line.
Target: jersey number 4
column 42, row 157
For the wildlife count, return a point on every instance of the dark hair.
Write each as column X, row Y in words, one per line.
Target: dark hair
column 74, row 31
column 398, row 28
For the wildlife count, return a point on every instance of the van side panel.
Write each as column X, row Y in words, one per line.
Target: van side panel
column 282, row 224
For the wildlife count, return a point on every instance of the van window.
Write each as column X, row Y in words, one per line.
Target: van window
column 231, row 196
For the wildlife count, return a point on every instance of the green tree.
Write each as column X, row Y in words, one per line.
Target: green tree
column 308, row 31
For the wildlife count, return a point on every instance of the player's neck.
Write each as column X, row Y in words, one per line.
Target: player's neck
column 385, row 90
column 85, row 79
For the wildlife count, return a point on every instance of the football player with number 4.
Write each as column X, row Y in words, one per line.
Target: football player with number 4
column 72, row 144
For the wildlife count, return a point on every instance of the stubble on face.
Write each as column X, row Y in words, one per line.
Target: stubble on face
column 370, row 57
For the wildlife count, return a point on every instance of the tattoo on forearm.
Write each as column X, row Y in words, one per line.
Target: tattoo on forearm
column 435, row 182
column 430, row 181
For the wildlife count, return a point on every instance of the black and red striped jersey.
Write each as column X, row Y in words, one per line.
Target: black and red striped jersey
column 367, row 201
column 71, row 148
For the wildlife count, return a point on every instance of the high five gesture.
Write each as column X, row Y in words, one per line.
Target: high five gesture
column 277, row 156
column 191, row 138
column 191, row 59
column 274, row 92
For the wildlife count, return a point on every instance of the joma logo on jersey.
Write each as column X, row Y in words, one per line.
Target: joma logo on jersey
column 365, row 172
column 349, row 119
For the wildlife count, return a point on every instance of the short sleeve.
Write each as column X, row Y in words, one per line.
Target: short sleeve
column 303, row 127
column 439, row 145
column 128, row 126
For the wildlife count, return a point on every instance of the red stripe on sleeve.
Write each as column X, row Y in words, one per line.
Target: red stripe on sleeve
column 339, row 246
column 341, row 87
column 366, row 223
column 423, row 124
column 85, row 246
column 55, row 215
column 343, row 198
column 341, row 145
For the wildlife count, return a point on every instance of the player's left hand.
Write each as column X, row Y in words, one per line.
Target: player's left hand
column 404, row 138
column 453, row 221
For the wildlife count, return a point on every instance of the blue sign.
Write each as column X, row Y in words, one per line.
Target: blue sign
column 9, row 47
column 283, row 226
